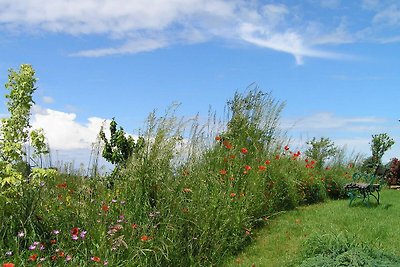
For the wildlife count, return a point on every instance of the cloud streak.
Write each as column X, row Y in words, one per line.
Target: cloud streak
column 146, row 25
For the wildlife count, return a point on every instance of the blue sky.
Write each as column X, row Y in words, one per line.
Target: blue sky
column 334, row 62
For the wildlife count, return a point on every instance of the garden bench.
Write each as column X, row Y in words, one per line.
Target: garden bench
column 363, row 186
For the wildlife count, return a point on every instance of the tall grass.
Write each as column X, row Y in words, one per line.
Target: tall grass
column 188, row 197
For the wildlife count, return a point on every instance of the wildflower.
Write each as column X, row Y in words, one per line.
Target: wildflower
column 74, row 237
column 286, row 147
column 56, row 232
column 61, row 254
column 244, row 150
column 33, row 257
column 42, row 247
column 83, row 234
column 222, row 172
column 262, row 168
column 68, row 258
column 32, row 247
column 277, row 157
column 54, row 258
column 267, row 162
column 9, row 253
column 105, row 208
column 218, row 138
column 8, row 264
column 227, row 144
column 134, row 226
column 144, row 238
column 63, row 185
column 122, row 202
column 113, row 201
column 232, row 194
column 53, row 241
column 105, row 263
column 247, row 167
column 75, row 231
column 21, row 234
column 187, row 190
column 95, row 259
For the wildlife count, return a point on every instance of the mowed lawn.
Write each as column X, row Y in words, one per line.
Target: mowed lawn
column 282, row 241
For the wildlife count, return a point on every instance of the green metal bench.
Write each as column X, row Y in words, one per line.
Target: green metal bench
column 363, row 186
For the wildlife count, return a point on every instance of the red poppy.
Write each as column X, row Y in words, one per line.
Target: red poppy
column 222, row 172
column 286, row 148
column 134, row 226
column 54, row 257
column 244, row 150
column 262, row 168
column 95, row 259
column 53, row 241
column 267, row 162
column 227, row 144
column 232, row 195
column 33, row 257
column 63, row 185
column 217, row 138
column 75, row 231
column 8, row 264
column 247, row 167
column 61, row 254
column 144, row 238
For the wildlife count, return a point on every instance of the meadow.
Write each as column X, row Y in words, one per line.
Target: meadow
column 185, row 194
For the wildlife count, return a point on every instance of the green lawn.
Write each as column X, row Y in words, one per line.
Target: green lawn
column 282, row 241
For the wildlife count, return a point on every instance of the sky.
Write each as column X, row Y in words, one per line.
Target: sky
column 334, row 63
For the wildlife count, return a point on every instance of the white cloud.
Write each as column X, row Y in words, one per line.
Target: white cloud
column 145, row 25
column 63, row 131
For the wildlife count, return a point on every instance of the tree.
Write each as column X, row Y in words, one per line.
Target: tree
column 320, row 150
column 119, row 148
column 14, row 131
column 380, row 143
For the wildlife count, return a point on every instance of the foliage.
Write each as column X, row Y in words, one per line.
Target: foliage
column 14, row 129
column 380, row 144
column 393, row 176
column 119, row 148
column 38, row 143
column 321, row 150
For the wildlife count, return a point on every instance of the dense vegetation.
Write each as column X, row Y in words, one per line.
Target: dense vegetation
column 182, row 193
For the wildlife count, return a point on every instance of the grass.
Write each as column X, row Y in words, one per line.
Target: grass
column 178, row 200
column 283, row 241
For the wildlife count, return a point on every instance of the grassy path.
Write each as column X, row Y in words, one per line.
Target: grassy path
column 281, row 241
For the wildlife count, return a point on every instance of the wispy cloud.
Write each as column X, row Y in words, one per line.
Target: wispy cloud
column 146, row 25
column 329, row 121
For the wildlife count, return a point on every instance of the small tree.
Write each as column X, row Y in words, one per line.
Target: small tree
column 380, row 143
column 321, row 150
column 119, row 148
column 14, row 130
